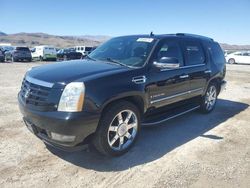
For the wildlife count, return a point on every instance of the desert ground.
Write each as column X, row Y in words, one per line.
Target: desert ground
column 194, row 150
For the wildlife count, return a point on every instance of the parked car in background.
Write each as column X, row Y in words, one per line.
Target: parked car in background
column 1, row 55
column 44, row 53
column 85, row 50
column 93, row 48
column 68, row 54
column 18, row 54
column 238, row 57
column 125, row 83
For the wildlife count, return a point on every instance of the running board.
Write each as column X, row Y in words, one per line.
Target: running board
column 167, row 116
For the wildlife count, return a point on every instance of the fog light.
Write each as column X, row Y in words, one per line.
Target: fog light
column 62, row 138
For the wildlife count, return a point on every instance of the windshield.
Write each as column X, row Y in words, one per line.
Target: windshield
column 130, row 50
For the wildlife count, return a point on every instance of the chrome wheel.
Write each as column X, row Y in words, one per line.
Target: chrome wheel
column 122, row 130
column 211, row 97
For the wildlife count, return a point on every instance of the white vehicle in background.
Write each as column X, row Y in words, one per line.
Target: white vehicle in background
column 85, row 50
column 44, row 53
column 238, row 57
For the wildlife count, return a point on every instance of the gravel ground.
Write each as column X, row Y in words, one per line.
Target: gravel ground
column 194, row 150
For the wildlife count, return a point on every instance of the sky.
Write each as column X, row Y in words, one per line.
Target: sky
column 226, row 21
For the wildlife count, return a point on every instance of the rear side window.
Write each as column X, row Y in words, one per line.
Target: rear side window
column 216, row 53
column 246, row 54
column 194, row 54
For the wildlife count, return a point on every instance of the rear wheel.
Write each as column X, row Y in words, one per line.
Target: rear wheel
column 231, row 61
column 118, row 129
column 209, row 99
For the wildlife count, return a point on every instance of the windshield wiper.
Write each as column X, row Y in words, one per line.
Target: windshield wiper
column 88, row 57
column 116, row 62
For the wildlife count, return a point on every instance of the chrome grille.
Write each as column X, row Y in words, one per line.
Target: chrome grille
column 35, row 95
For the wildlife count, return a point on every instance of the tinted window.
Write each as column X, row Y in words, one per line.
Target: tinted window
column 239, row 54
column 193, row 53
column 88, row 48
column 246, row 54
column 216, row 53
column 170, row 49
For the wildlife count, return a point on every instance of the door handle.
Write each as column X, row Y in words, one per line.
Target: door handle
column 184, row 76
column 207, row 71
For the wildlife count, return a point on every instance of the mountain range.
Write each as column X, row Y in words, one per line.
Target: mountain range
column 35, row 39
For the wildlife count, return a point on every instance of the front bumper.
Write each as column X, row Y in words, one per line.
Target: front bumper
column 42, row 124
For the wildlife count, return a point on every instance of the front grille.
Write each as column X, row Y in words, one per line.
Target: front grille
column 35, row 95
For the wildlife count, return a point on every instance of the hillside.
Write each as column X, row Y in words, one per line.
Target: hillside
column 34, row 39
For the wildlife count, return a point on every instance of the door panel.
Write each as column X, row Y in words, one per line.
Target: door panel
column 196, row 66
column 168, row 87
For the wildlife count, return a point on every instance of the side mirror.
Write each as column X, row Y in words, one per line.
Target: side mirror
column 167, row 63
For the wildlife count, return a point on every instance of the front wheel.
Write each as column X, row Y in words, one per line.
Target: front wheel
column 118, row 129
column 209, row 99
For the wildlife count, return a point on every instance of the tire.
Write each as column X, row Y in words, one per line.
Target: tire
column 208, row 101
column 115, row 134
column 231, row 61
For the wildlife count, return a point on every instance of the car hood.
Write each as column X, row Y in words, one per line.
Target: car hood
column 69, row 71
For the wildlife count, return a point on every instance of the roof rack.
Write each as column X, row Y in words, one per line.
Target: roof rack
column 193, row 35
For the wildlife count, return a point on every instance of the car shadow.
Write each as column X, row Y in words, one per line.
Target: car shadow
column 155, row 142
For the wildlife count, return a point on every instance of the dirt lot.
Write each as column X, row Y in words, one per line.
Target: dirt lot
column 194, row 150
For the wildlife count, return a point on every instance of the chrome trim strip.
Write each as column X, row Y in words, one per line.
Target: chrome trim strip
column 184, row 67
column 176, row 95
column 172, row 117
column 39, row 82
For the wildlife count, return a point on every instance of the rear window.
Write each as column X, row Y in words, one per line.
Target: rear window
column 193, row 53
column 22, row 49
column 216, row 53
column 88, row 48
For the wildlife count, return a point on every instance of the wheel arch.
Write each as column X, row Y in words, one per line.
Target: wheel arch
column 217, row 80
column 135, row 99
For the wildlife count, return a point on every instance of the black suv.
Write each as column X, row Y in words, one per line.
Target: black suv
column 18, row 54
column 126, row 83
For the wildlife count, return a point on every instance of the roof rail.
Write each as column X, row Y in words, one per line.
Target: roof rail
column 180, row 34
column 193, row 35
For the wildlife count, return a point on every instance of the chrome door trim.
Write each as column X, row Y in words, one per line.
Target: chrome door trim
column 39, row 82
column 184, row 67
column 176, row 95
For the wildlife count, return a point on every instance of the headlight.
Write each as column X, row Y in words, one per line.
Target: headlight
column 72, row 97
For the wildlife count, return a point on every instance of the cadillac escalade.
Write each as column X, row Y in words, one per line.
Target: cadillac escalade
column 126, row 83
